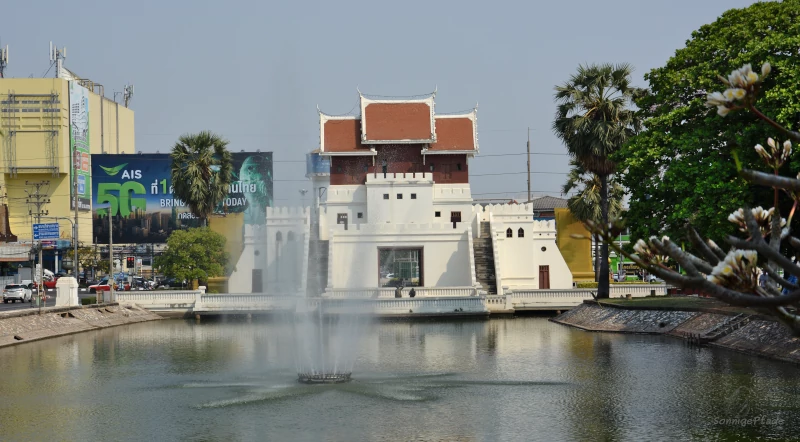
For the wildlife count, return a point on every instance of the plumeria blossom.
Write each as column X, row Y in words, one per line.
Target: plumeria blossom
column 763, row 219
column 738, row 271
column 741, row 84
column 777, row 154
column 647, row 253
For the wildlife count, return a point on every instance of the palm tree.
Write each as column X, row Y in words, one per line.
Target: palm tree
column 201, row 172
column 585, row 204
column 594, row 119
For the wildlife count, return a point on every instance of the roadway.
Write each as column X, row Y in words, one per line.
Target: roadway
column 49, row 302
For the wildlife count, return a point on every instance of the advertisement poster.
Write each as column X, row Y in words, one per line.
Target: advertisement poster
column 317, row 165
column 137, row 189
column 79, row 145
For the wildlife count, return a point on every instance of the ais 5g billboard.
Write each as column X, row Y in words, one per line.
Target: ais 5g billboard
column 137, row 191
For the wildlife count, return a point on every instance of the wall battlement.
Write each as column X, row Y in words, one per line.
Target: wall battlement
column 390, row 229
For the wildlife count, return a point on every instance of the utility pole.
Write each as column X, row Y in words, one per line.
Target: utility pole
column 37, row 197
column 75, row 224
column 111, row 278
column 529, row 164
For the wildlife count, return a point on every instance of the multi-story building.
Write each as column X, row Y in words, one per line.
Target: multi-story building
column 50, row 128
column 398, row 210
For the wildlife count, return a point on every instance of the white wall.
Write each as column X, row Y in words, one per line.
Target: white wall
column 520, row 258
column 445, row 255
column 285, row 262
column 395, row 210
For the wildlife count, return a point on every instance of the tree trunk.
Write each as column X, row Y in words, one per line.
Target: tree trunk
column 596, row 258
column 602, row 284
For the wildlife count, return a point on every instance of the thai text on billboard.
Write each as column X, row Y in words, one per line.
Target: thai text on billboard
column 137, row 190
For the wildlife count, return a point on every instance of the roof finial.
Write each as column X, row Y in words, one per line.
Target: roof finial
column 435, row 89
column 318, row 111
column 359, row 91
column 475, row 109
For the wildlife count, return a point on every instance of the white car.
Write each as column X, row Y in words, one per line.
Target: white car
column 16, row 292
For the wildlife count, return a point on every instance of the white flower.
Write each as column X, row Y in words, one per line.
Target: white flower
column 771, row 143
column 738, row 271
column 787, row 150
column 752, row 78
column 762, row 152
column 736, row 79
column 765, row 69
column 723, row 111
column 716, row 99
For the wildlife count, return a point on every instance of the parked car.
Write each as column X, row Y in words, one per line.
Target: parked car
column 51, row 282
column 103, row 285
column 16, row 292
column 170, row 282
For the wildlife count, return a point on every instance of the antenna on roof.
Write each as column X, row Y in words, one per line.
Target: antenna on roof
column 58, row 56
column 3, row 61
column 127, row 94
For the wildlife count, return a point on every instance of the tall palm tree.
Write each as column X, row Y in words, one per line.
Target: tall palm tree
column 201, row 172
column 594, row 119
column 585, row 204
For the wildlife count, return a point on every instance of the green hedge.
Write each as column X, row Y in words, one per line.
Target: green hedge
column 87, row 301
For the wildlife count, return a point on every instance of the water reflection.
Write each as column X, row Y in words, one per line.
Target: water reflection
column 500, row 379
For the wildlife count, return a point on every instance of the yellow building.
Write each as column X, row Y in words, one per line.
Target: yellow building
column 37, row 118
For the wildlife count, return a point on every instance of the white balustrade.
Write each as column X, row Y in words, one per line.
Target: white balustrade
column 388, row 292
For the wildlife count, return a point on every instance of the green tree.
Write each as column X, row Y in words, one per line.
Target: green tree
column 191, row 254
column 585, row 204
column 594, row 120
column 201, row 172
column 685, row 156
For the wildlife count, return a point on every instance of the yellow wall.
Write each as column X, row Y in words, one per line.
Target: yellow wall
column 576, row 252
column 231, row 227
column 30, row 149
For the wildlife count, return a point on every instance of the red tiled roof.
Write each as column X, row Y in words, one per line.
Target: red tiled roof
column 397, row 121
column 454, row 134
column 342, row 136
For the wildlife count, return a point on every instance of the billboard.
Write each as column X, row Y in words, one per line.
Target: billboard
column 79, row 146
column 137, row 190
column 316, row 164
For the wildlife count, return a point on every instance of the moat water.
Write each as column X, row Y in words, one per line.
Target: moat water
column 519, row 379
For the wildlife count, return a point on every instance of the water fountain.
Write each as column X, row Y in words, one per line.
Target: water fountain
column 326, row 345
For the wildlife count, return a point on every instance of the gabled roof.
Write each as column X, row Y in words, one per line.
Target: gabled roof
column 548, row 203
column 340, row 134
column 397, row 121
column 455, row 133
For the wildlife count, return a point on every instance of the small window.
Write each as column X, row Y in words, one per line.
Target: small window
column 509, row 233
column 437, row 214
column 386, row 196
column 399, row 196
column 458, row 166
column 360, row 215
column 413, row 196
column 431, row 167
column 520, row 233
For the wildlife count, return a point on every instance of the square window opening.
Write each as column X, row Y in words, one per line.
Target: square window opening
column 360, row 215
column 437, row 214
column 413, row 196
column 399, row 196
column 386, row 196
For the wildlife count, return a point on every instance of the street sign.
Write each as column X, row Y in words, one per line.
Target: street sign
column 45, row 231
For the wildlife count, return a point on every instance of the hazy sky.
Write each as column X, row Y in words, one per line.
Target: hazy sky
column 255, row 71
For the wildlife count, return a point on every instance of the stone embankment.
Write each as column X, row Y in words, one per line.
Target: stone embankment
column 751, row 334
column 20, row 326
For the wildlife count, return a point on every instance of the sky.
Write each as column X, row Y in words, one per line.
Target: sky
column 255, row 71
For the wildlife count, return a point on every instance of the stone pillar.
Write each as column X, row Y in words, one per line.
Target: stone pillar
column 67, row 292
